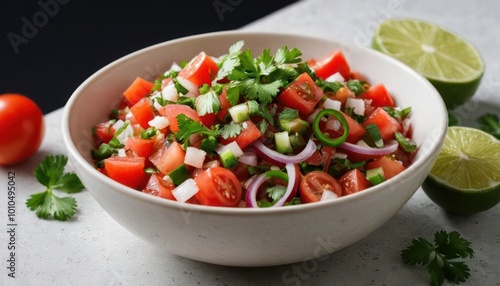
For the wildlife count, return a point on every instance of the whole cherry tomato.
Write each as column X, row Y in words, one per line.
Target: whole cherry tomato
column 21, row 128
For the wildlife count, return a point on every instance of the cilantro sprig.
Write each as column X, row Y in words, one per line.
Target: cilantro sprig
column 258, row 78
column 50, row 173
column 441, row 258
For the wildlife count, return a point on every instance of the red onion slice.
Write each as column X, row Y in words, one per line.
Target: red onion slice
column 390, row 147
column 253, row 188
column 302, row 156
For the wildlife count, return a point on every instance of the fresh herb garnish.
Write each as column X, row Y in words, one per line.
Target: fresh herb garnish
column 288, row 114
column 355, row 86
column 258, row 78
column 490, row 124
column 231, row 130
column 441, row 258
column 50, row 173
column 406, row 143
column 188, row 127
column 207, row 103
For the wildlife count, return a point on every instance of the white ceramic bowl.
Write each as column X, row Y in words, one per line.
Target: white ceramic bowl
column 240, row 236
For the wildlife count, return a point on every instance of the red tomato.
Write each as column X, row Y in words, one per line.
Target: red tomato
column 218, row 187
column 172, row 110
column 139, row 89
column 302, row 94
column 168, row 159
column 353, row 181
column 126, row 170
column 247, row 136
column 143, row 112
column 141, row 147
column 201, row 69
column 208, row 119
column 331, row 64
column 21, row 128
column 156, row 186
column 104, row 131
column 379, row 95
column 356, row 130
column 391, row 167
column 386, row 124
column 314, row 183
column 225, row 105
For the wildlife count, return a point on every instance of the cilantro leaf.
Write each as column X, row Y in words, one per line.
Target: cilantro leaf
column 50, row 173
column 231, row 130
column 188, row 127
column 441, row 257
column 209, row 144
column 286, row 56
column 288, row 114
column 276, row 192
column 207, row 103
column 490, row 124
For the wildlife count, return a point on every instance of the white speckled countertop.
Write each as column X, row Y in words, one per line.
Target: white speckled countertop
column 93, row 249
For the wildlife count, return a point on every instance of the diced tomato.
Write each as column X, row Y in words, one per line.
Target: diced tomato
column 208, row 119
column 172, row 110
column 356, row 130
column 140, row 146
column 353, row 181
column 386, row 124
column 341, row 95
column 302, row 94
column 225, row 105
column 126, row 170
column 139, row 89
column 104, row 131
column 314, row 183
column 143, row 112
column 156, row 186
column 218, row 187
column 166, row 159
column 331, row 64
column 379, row 95
column 391, row 167
column 201, row 69
column 247, row 136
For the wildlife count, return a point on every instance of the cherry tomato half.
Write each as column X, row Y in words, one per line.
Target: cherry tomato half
column 314, row 183
column 218, row 187
column 21, row 128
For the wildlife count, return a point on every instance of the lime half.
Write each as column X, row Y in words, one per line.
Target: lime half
column 466, row 175
column 448, row 61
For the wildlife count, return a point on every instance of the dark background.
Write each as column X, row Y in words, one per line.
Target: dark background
column 49, row 47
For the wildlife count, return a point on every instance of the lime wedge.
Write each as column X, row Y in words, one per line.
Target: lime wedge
column 466, row 175
column 448, row 61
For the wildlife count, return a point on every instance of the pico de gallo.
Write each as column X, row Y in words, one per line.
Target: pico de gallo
column 245, row 131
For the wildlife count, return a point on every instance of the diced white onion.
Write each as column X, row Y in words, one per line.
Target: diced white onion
column 170, row 92
column 406, row 126
column 194, row 157
column 233, row 146
column 311, row 116
column 185, row 191
column 335, row 77
column 362, row 143
column 175, row 67
column 328, row 195
column 122, row 153
column 128, row 132
column 193, row 90
column 248, row 158
column 333, row 124
column 332, row 104
column 211, row 164
column 357, row 103
column 340, row 155
column 159, row 122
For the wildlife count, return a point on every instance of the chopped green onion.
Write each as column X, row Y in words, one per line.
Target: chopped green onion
column 148, row 133
column 322, row 137
column 374, row 132
column 375, row 176
column 407, row 144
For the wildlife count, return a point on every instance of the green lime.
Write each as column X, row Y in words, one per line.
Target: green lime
column 447, row 60
column 465, row 178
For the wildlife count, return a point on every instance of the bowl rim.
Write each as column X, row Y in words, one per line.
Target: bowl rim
column 127, row 191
